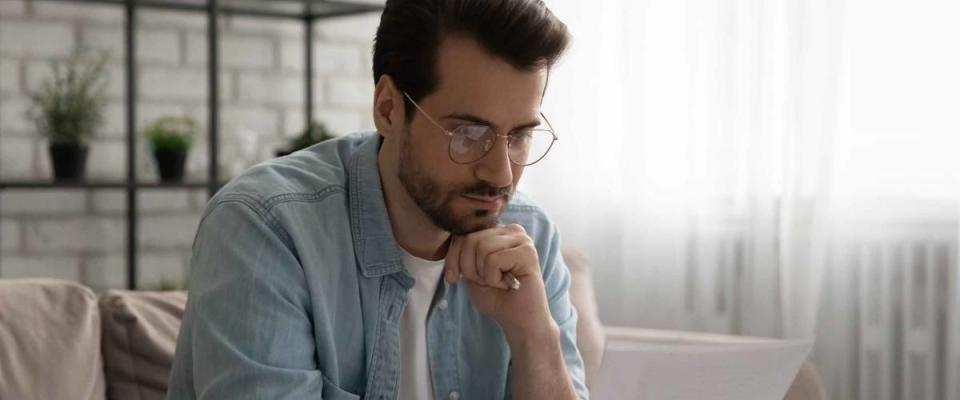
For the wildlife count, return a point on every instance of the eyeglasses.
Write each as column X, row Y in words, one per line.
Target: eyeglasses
column 469, row 143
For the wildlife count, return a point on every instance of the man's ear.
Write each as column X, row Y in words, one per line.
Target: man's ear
column 389, row 114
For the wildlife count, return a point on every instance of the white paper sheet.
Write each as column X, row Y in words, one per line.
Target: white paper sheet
column 714, row 371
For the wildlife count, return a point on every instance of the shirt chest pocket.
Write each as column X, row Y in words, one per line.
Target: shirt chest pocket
column 333, row 392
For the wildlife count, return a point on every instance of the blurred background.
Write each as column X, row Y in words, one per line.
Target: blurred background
column 754, row 167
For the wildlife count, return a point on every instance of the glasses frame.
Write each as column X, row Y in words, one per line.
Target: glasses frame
column 506, row 137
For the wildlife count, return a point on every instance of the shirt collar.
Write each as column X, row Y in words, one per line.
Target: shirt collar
column 377, row 250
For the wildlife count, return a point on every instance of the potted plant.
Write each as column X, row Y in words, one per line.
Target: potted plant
column 316, row 133
column 68, row 109
column 169, row 139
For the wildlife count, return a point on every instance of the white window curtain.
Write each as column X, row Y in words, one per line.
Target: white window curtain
column 769, row 167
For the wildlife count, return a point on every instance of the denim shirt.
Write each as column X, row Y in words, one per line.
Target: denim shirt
column 297, row 288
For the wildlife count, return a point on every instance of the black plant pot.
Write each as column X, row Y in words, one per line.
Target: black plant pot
column 170, row 163
column 69, row 161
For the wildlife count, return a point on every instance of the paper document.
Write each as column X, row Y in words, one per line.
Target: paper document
column 701, row 371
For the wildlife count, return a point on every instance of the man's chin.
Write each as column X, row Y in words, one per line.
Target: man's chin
column 472, row 220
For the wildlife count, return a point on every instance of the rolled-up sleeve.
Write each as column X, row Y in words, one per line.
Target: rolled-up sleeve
column 247, row 327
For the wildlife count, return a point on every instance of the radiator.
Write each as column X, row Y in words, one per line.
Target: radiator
column 908, row 306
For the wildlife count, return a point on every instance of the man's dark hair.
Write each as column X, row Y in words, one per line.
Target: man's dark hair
column 524, row 33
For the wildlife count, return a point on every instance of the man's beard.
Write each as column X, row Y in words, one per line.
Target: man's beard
column 435, row 202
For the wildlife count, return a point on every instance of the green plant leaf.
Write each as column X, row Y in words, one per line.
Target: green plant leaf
column 171, row 132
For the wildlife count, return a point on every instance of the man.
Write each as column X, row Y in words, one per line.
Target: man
column 397, row 264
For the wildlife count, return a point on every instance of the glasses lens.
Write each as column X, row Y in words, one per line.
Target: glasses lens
column 529, row 145
column 470, row 142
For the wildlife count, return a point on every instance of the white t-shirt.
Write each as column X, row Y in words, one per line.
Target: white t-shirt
column 415, row 382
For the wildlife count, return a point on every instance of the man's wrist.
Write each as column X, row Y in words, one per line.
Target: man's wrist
column 533, row 337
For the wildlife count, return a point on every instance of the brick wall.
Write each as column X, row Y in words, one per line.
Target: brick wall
column 80, row 234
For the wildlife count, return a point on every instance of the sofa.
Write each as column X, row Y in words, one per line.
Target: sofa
column 61, row 340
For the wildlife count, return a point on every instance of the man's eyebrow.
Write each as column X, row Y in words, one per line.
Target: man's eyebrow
column 478, row 120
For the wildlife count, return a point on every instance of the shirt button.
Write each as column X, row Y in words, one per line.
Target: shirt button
column 443, row 306
column 454, row 395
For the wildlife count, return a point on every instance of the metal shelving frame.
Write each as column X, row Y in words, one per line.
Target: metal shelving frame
column 306, row 11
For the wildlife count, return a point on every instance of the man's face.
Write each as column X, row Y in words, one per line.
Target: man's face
column 474, row 87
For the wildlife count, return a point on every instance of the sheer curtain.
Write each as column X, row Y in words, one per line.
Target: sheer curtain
column 769, row 167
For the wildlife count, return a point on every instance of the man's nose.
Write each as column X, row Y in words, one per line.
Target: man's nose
column 495, row 167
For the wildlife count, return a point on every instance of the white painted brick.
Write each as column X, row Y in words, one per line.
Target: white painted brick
column 152, row 46
column 367, row 125
column 147, row 112
column 114, row 75
column 43, row 202
column 105, row 272
column 235, row 51
column 255, row 87
column 9, row 76
column 160, row 269
column 148, row 201
column 107, row 159
column 59, row 267
column 247, row 52
column 35, row 38
column 196, row 168
column 339, row 122
column 115, row 117
column 350, row 92
column 99, row 13
column 146, row 171
column 94, row 234
column 153, row 269
column 196, row 51
column 114, row 121
column 165, row 83
column 162, row 200
column 12, row 8
column 105, row 39
column 159, row 232
column 178, row 84
column 13, row 116
column 366, row 57
column 292, row 122
column 261, row 26
column 360, row 28
column 342, row 122
column 327, row 57
column 16, row 157
column 116, row 81
column 166, row 19
column 264, row 121
column 42, row 168
column 199, row 199
column 107, row 201
column 9, row 233
column 159, row 46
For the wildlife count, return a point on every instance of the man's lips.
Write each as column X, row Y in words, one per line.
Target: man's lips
column 485, row 202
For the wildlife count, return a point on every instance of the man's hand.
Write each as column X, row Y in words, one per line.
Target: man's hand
column 484, row 258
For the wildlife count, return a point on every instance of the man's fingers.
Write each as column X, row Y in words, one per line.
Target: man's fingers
column 451, row 265
column 475, row 248
column 469, row 255
column 490, row 268
column 498, row 262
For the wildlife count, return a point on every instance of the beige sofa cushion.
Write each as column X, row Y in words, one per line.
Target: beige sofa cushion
column 49, row 341
column 139, row 337
column 590, row 334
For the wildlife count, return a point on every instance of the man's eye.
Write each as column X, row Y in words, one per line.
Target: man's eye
column 521, row 134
